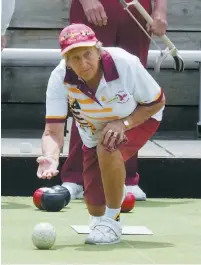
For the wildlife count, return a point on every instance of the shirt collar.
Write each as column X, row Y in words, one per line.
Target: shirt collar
column 109, row 67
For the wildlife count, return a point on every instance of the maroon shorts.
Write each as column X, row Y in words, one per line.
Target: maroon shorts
column 137, row 137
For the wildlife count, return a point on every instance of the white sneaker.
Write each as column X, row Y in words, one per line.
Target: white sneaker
column 105, row 231
column 76, row 191
column 137, row 192
column 94, row 219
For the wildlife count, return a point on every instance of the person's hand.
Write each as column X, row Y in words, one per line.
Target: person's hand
column 113, row 135
column 159, row 25
column 94, row 12
column 47, row 167
column 3, row 42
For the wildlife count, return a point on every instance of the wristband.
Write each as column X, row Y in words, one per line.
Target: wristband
column 126, row 123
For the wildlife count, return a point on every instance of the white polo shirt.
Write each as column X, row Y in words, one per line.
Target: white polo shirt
column 124, row 85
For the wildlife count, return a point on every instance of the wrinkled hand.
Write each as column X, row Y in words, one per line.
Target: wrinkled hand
column 94, row 12
column 159, row 25
column 113, row 135
column 47, row 167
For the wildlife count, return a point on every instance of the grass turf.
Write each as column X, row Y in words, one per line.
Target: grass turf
column 176, row 225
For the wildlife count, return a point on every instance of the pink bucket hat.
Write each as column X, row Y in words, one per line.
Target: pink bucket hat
column 76, row 35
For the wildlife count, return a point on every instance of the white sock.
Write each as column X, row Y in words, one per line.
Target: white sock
column 95, row 217
column 113, row 213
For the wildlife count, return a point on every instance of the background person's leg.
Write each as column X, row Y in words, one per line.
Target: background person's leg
column 71, row 174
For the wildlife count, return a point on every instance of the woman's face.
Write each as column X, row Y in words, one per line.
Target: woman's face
column 84, row 61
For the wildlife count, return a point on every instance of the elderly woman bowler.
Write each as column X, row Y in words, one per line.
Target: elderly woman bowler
column 117, row 106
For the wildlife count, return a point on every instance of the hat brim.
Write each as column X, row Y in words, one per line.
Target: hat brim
column 77, row 45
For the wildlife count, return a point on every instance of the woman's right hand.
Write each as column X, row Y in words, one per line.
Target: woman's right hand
column 47, row 167
column 94, row 12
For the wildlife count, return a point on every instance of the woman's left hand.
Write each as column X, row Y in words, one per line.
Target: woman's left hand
column 113, row 135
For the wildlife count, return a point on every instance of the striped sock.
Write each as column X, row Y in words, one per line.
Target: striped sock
column 113, row 213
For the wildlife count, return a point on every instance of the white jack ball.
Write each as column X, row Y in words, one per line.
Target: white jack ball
column 43, row 236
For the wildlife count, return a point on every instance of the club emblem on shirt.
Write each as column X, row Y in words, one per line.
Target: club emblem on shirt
column 120, row 97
